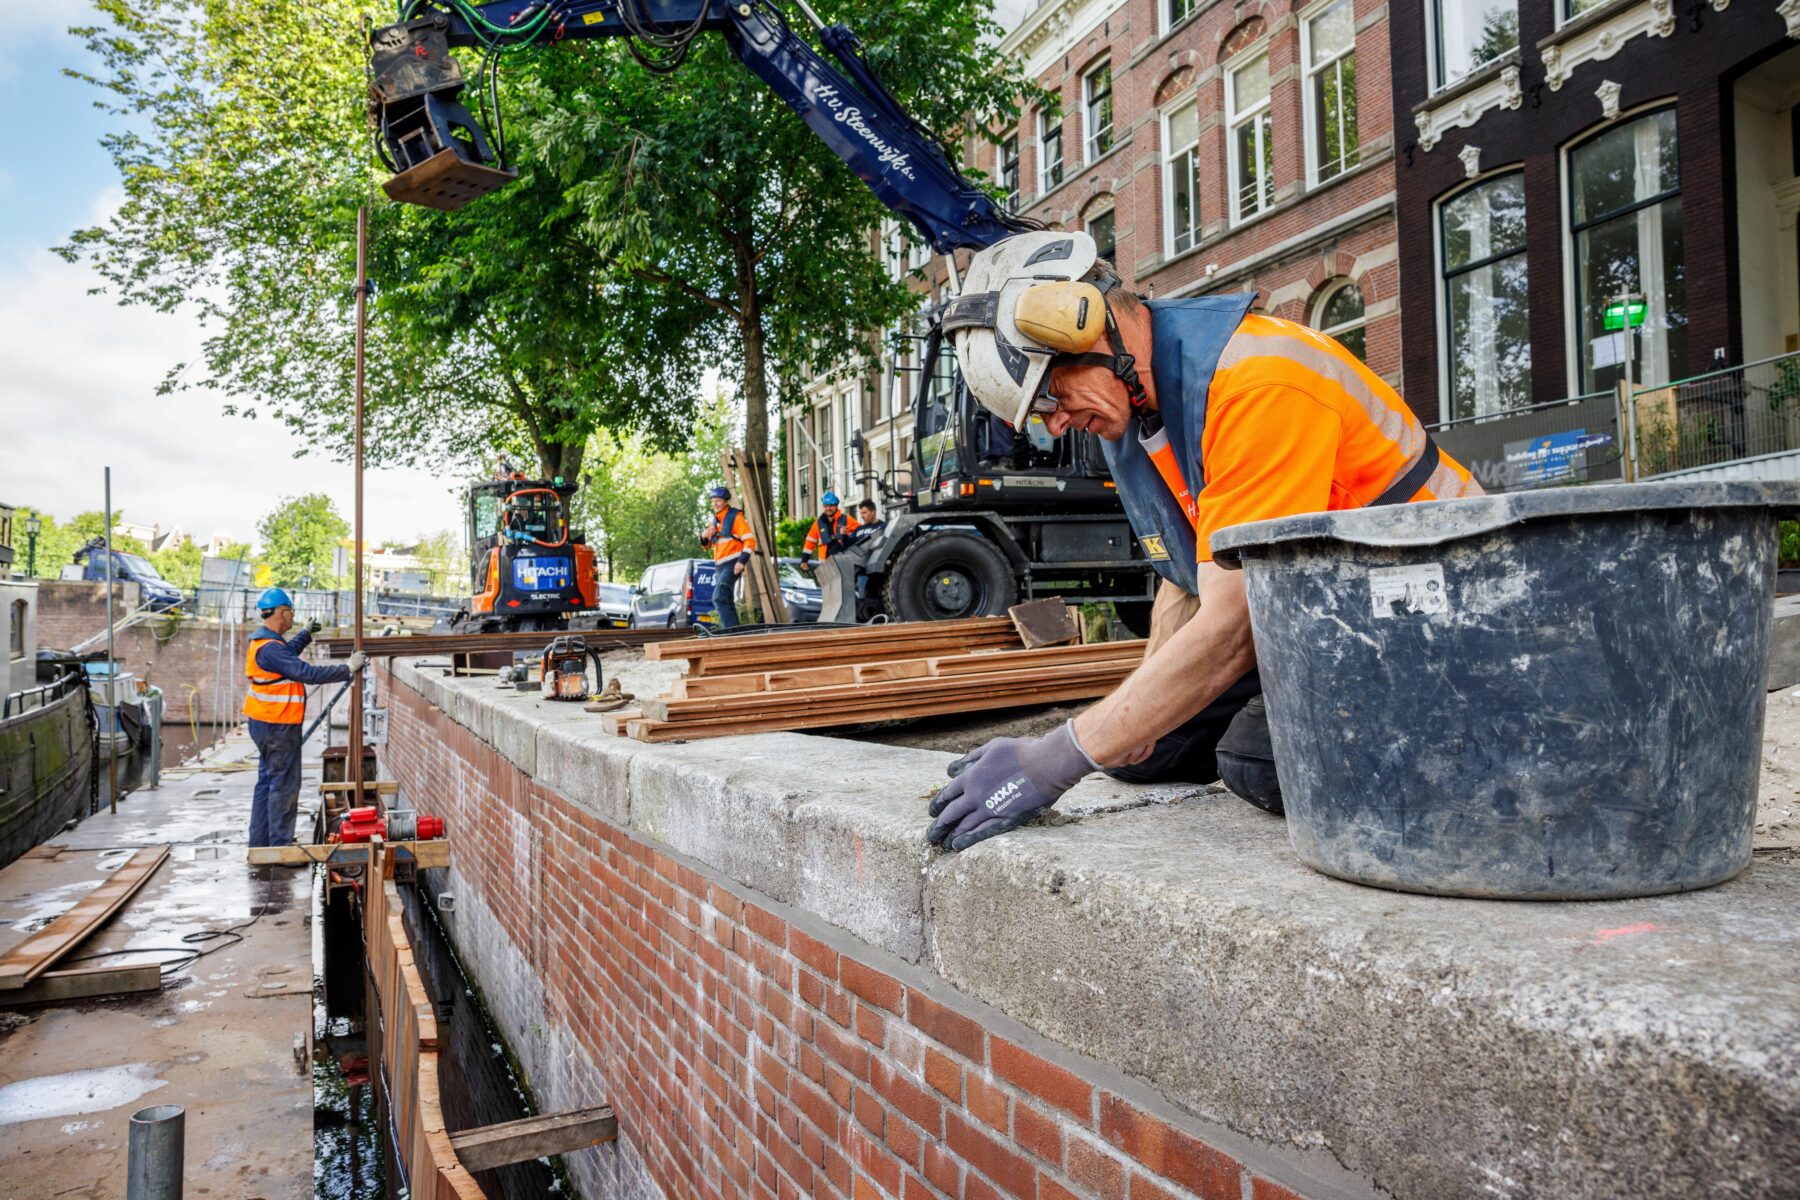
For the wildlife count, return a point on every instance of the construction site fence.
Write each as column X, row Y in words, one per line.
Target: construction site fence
column 1563, row 442
column 1719, row 418
column 234, row 604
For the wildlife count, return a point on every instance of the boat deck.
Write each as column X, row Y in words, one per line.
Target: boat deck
column 227, row 1037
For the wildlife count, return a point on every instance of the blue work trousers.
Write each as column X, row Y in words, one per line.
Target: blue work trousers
column 277, row 799
column 724, row 606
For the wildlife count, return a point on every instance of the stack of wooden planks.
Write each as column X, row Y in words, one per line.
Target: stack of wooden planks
column 25, row 974
column 816, row 679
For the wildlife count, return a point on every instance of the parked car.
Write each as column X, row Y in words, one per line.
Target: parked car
column 674, row 594
column 615, row 606
column 798, row 589
column 156, row 592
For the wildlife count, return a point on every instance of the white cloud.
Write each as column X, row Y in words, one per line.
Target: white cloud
column 78, row 378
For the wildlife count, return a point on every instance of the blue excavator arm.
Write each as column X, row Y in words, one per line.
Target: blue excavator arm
column 443, row 158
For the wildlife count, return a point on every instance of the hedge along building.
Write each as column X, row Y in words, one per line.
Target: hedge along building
column 1208, row 148
column 1560, row 152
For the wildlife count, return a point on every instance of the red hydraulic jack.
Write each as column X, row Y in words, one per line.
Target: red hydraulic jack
column 400, row 825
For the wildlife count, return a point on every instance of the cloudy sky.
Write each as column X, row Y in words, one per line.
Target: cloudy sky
column 78, row 373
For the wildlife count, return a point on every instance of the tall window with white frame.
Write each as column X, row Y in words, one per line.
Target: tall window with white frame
column 1251, row 143
column 1097, row 111
column 1100, row 227
column 1330, row 51
column 1626, row 224
column 1009, row 172
column 1487, row 326
column 1341, row 314
column 1469, row 34
column 1181, row 172
column 1050, row 152
column 1174, row 12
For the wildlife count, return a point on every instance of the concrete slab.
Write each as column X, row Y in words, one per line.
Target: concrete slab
column 1432, row 1047
column 1784, row 644
column 219, row 1039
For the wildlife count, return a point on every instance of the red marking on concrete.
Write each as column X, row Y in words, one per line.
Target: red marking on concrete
column 1607, row 935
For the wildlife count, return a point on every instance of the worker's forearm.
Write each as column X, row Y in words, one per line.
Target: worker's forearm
column 1187, row 672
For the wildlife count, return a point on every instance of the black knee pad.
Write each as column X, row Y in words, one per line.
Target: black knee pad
column 1247, row 758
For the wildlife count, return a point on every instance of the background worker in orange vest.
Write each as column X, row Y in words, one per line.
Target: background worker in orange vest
column 276, row 707
column 1210, row 416
column 732, row 543
column 830, row 531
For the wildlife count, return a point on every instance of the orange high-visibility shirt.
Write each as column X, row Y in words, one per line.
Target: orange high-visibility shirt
column 1295, row 423
column 816, row 537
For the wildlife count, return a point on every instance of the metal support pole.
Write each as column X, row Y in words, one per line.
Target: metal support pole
column 112, row 663
column 354, row 768
column 153, row 1153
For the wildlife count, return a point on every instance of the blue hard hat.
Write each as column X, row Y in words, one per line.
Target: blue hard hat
column 829, row 498
column 720, row 493
column 273, row 599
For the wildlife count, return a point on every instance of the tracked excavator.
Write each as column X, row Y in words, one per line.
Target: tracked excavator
column 527, row 569
column 987, row 520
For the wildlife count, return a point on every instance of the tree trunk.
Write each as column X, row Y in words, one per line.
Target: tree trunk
column 556, row 458
column 756, row 376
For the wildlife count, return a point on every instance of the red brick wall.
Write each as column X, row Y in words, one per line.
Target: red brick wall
column 748, row 1055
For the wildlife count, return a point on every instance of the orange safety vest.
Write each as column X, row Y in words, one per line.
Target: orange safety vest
column 272, row 698
column 730, row 536
column 819, row 535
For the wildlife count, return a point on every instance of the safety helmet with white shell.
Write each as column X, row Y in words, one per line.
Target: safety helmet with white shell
column 1025, row 302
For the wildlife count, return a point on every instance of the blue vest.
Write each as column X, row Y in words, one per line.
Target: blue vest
column 1186, row 337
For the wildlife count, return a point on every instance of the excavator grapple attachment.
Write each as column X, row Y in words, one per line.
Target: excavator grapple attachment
column 438, row 151
column 446, row 181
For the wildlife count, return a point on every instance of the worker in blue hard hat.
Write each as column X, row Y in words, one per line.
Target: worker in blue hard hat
column 830, row 531
column 276, row 708
column 728, row 535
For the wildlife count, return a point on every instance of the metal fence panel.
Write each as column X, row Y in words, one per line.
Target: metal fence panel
column 1746, row 412
column 1547, row 445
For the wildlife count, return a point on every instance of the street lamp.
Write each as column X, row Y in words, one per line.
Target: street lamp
column 33, row 525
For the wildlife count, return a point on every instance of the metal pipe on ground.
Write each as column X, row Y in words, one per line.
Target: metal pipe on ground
column 153, row 1153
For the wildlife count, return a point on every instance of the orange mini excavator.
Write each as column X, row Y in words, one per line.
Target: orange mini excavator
column 527, row 570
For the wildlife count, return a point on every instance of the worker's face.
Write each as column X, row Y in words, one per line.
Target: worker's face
column 831, row 510
column 281, row 620
column 1090, row 398
column 718, row 505
column 865, row 514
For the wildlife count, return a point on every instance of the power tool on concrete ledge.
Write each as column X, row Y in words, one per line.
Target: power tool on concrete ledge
column 399, row 825
column 563, row 669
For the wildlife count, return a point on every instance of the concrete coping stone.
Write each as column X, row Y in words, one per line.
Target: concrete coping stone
column 1427, row 1046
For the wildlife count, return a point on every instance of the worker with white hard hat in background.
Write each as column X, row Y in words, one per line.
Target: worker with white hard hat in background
column 1210, row 416
column 276, row 708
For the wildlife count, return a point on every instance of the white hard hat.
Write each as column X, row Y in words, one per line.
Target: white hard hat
column 1003, row 364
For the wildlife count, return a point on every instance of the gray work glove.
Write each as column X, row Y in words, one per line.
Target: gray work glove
column 356, row 662
column 998, row 787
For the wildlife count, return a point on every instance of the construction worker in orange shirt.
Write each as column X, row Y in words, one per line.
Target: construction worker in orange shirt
column 830, row 531
column 1210, row 415
column 728, row 535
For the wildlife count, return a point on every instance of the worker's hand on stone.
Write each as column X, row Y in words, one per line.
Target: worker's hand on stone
column 356, row 662
column 998, row 787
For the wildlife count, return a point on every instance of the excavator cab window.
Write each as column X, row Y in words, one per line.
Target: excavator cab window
column 536, row 515
column 484, row 517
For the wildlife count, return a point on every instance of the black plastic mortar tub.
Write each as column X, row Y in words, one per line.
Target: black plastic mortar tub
column 1543, row 695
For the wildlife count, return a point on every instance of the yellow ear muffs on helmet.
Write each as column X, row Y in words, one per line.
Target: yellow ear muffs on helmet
column 1067, row 316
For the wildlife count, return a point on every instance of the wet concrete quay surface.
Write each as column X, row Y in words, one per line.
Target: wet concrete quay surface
column 227, row 1037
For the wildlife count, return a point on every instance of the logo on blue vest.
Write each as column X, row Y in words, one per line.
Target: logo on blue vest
column 540, row 574
column 1153, row 547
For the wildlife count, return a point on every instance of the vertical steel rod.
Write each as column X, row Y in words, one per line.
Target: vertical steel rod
column 153, row 1153
column 112, row 663
column 354, row 768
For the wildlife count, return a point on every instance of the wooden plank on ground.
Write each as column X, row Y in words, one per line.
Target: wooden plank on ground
column 55, row 987
column 751, row 658
column 428, row 854
column 39, row 952
column 694, row 648
column 534, row 1137
column 615, row 722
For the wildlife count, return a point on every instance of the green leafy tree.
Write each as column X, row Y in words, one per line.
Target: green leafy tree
column 705, row 189
column 243, row 148
column 180, row 566
column 300, row 538
column 444, row 560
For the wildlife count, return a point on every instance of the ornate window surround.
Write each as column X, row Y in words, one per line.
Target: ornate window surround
column 1463, row 103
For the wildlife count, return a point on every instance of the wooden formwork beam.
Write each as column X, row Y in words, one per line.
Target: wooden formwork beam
column 534, row 1137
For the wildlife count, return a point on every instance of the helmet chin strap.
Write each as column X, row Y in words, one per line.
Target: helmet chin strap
column 1120, row 363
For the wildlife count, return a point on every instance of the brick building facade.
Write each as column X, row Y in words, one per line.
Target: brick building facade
column 1556, row 153
column 1208, row 147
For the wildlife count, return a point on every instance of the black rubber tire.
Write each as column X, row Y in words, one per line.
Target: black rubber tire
column 947, row 575
column 1134, row 615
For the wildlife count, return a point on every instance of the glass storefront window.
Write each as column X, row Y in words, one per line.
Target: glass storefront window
column 1487, row 347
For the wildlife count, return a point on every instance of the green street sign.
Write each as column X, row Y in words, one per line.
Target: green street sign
column 1618, row 314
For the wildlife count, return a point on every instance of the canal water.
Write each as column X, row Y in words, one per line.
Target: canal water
column 479, row 1086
